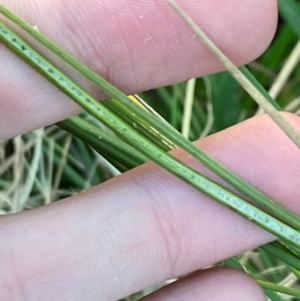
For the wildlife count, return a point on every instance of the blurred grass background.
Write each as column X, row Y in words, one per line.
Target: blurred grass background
column 49, row 164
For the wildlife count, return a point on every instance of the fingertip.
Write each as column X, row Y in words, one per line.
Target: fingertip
column 241, row 29
column 253, row 27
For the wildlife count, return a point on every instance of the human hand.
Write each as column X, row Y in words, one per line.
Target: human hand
column 145, row 226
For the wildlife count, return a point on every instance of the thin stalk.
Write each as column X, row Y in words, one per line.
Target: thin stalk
column 284, row 253
column 266, row 285
column 165, row 134
column 144, row 145
column 138, row 100
column 280, row 81
column 279, row 288
column 283, row 124
column 259, row 87
column 188, row 107
column 109, row 146
column 210, row 114
column 289, row 66
column 144, row 127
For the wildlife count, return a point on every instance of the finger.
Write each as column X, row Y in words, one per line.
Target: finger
column 136, row 45
column 215, row 284
column 145, row 226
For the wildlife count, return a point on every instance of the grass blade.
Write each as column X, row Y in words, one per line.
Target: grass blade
column 109, row 146
column 165, row 135
column 142, row 144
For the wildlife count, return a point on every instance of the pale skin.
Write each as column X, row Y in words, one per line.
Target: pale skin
column 145, row 226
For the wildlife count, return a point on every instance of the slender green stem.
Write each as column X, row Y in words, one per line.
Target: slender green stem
column 279, row 288
column 284, row 253
column 144, row 127
column 188, row 107
column 167, row 135
column 234, row 262
column 144, row 145
column 108, row 145
column 259, row 87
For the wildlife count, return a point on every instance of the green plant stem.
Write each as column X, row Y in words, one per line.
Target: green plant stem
column 146, row 147
column 259, row 87
column 284, row 253
column 110, row 147
column 279, row 288
column 165, row 134
column 142, row 126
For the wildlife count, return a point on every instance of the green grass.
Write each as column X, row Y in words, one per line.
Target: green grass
column 46, row 165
